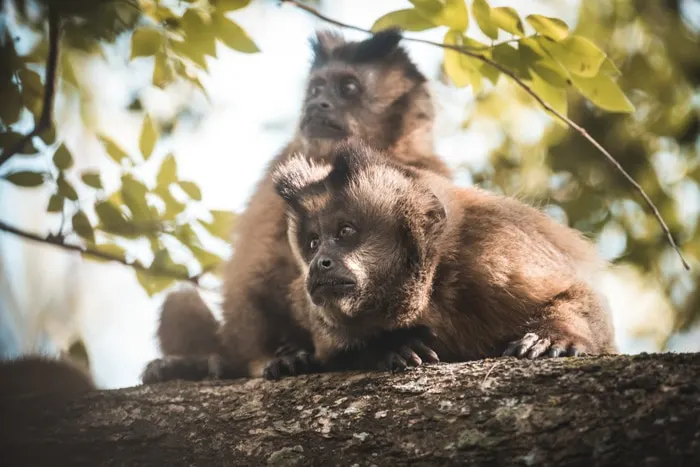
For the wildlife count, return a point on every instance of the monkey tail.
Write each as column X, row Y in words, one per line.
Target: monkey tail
column 187, row 325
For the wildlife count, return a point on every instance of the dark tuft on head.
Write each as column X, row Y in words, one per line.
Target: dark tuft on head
column 350, row 158
column 296, row 176
column 382, row 46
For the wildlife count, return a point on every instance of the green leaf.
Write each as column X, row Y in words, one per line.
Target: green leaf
column 10, row 139
column 112, row 218
column 67, row 71
column 408, row 20
column 65, row 189
column 233, row 36
column 577, row 54
column 482, row 14
column 192, row 190
column 115, row 251
column 163, row 263
column 205, row 258
column 507, row 18
column 149, row 135
column 189, row 51
column 134, row 195
column 512, row 59
column 153, row 284
column 454, row 15
column 198, row 31
column 55, row 203
column 91, row 179
column 163, row 73
column 62, row 158
column 555, row 97
column 25, row 178
column 229, row 5
column 145, row 42
column 116, row 153
column 461, row 69
column 609, row 68
column 221, row 224
column 604, row 92
column 168, row 171
column 552, row 28
column 81, row 226
column 172, row 206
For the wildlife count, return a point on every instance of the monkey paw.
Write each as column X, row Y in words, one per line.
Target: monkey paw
column 292, row 364
column 189, row 368
column 534, row 346
column 407, row 348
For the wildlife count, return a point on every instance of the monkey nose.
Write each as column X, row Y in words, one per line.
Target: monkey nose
column 325, row 263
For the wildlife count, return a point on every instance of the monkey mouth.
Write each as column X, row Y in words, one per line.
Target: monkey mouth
column 330, row 287
column 321, row 126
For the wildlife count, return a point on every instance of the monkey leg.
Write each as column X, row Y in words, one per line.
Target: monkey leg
column 565, row 327
column 185, row 367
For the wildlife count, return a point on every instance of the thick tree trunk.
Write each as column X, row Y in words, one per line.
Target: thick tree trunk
column 638, row 411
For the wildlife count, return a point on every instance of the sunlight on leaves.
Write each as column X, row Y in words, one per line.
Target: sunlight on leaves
column 168, row 171
column 81, row 226
column 602, row 91
column 65, row 189
column 91, row 179
column 408, row 20
column 153, row 284
column 221, row 224
column 116, row 153
column 62, row 158
column 145, row 42
column 55, row 203
column 461, row 69
column 577, row 54
column 233, row 36
column 191, row 189
column 149, row 135
column 552, row 28
column 25, row 178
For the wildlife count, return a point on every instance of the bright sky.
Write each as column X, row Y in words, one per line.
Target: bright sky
column 255, row 104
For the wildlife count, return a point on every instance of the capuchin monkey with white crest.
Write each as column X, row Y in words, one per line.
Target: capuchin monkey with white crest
column 369, row 90
column 387, row 251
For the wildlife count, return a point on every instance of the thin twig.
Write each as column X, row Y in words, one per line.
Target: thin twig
column 471, row 53
column 46, row 118
column 57, row 240
column 488, row 373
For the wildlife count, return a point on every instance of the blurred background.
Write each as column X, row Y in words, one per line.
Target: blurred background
column 499, row 139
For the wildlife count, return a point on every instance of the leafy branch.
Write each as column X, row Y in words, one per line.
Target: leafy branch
column 476, row 54
column 45, row 121
column 57, row 240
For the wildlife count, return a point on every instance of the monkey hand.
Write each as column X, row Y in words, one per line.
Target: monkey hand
column 405, row 348
column 290, row 361
column 188, row 368
column 547, row 344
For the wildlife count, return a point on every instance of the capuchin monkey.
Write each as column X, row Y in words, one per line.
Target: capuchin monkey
column 387, row 250
column 33, row 375
column 369, row 90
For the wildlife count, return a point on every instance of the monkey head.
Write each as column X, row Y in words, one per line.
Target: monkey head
column 368, row 89
column 364, row 232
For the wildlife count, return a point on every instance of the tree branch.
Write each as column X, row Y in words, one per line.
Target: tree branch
column 474, row 54
column 56, row 240
column 46, row 118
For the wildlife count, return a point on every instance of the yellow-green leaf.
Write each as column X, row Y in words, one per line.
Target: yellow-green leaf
column 55, row 203
column 188, row 50
column 81, row 226
column 408, row 20
column 604, row 92
column 115, row 251
column 65, row 189
column 454, row 14
column 67, row 71
column 168, row 171
column 221, row 224
column 507, row 18
column 609, row 68
column 233, row 36
column 163, row 73
column 62, row 158
column 134, row 195
column 230, row 5
column 554, row 96
column 192, row 190
column 205, row 258
column 196, row 25
column 25, row 178
column 511, row 59
column 461, row 69
column 149, row 135
column 163, row 263
column 172, row 206
column 153, row 284
column 91, row 179
column 116, row 153
column 145, row 42
column 482, row 14
column 553, row 28
column 577, row 54
column 111, row 217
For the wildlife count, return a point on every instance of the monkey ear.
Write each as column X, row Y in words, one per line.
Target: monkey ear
column 434, row 215
column 379, row 45
column 349, row 160
column 294, row 176
column 323, row 44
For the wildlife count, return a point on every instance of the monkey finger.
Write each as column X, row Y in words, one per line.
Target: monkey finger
column 394, row 362
column 426, row 353
column 272, row 371
column 412, row 359
column 576, row 351
column 520, row 347
column 538, row 349
column 557, row 350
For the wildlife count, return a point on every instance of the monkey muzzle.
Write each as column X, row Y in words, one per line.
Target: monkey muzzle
column 320, row 124
column 328, row 280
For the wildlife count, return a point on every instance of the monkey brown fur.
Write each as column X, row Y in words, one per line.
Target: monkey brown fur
column 384, row 247
column 368, row 90
column 33, row 375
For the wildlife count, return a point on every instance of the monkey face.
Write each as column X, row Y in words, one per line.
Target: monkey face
column 360, row 89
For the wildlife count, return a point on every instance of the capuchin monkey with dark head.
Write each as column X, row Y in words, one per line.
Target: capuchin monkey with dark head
column 368, row 90
column 387, row 250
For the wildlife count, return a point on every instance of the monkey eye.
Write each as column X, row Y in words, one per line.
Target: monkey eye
column 346, row 231
column 349, row 87
column 315, row 90
column 313, row 244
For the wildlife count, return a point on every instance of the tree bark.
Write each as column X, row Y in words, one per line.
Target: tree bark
column 639, row 410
